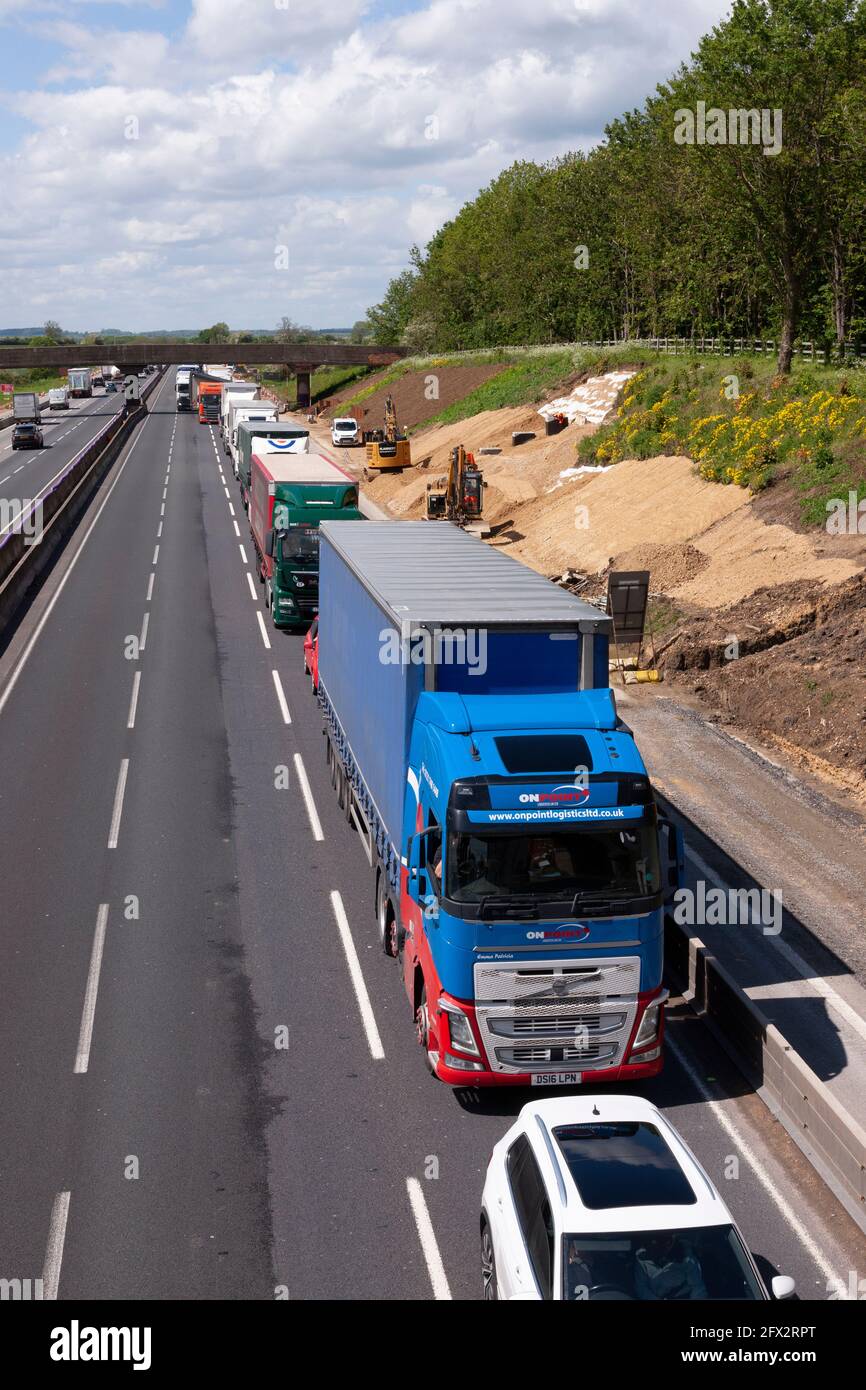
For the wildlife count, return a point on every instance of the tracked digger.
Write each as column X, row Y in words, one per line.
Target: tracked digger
column 388, row 449
column 459, row 497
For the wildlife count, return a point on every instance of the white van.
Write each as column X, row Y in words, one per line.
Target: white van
column 345, row 431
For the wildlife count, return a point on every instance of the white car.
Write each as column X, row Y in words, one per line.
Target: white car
column 597, row 1198
column 345, row 431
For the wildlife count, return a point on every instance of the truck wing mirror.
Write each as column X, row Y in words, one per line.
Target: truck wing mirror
column 417, row 886
column 269, row 542
column 675, row 867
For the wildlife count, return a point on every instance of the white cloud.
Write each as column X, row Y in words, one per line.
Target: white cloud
column 176, row 169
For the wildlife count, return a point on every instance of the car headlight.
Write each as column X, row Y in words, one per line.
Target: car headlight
column 459, row 1027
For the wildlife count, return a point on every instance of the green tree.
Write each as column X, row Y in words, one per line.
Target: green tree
column 217, row 333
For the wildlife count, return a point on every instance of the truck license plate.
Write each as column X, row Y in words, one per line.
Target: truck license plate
column 557, row 1078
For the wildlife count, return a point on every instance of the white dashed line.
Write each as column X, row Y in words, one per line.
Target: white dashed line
column 253, row 591
column 85, row 1035
column 374, row 1042
column 265, row 638
column 118, row 804
column 281, row 696
column 133, row 704
column 56, row 1241
column 427, row 1237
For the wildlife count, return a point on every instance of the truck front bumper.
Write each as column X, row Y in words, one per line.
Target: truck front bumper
column 457, row 1066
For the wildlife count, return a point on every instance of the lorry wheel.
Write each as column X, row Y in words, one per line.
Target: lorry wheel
column 422, row 1028
column 490, row 1289
column 386, row 920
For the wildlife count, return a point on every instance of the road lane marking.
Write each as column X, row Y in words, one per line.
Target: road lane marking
column 149, row 594
column 143, row 638
column 231, row 509
column 429, row 1243
column 133, row 703
column 118, row 804
column 793, row 957
column 237, row 528
column 85, row 1036
column 159, row 530
column 243, row 554
column 281, row 696
column 265, row 638
column 306, row 792
column 786, row 1210
column 374, row 1042
column 56, row 1241
column 162, row 510
column 252, row 587
column 155, row 555
column 25, row 655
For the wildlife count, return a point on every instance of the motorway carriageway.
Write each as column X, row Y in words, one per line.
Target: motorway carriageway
column 25, row 472
column 171, row 914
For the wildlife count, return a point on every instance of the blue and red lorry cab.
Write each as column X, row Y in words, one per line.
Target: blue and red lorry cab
column 521, row 867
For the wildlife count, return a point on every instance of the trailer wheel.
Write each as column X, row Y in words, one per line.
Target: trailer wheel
column 386, row 920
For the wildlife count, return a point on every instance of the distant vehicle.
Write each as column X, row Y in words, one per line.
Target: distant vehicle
column 290, row 494
column 80, row 381
column 111, row 386
column 266, row 437
column 25, row 406
column 230, row 392
column 311, row 655
column 344, row 432
column 182, row 388
column 27, row 435
column 58, row 398
column 245, row 408
column 598, row 1199
column 96, row 378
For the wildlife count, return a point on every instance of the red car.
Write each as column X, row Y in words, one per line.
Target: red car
column 311, row 655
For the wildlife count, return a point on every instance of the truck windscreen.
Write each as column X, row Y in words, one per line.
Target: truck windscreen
column 299, row 545
column 562, row 864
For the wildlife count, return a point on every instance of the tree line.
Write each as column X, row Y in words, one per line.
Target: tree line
column 732, row 204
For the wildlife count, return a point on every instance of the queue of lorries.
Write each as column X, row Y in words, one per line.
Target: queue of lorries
column 520, row 865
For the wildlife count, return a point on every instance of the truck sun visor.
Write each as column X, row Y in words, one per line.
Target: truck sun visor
column 526, row 753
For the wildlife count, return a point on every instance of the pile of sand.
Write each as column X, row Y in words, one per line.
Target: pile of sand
column 669, row 565
column 662, row 502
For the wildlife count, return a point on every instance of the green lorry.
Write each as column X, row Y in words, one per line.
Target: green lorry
column 289, row 495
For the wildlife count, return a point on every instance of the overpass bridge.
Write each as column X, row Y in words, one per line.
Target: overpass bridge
column 300, row 359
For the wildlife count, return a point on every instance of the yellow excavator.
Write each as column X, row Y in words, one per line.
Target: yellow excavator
column 388, row 449
column 459, row 497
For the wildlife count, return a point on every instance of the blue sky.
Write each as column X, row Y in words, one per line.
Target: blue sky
column 182, row 162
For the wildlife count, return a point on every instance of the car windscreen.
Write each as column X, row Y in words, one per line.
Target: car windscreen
column 691, row 1264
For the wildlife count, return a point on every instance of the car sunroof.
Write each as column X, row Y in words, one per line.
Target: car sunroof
column 623, row 1165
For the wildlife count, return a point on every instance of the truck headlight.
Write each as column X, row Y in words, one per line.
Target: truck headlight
column 459, row 1027
column 649, row 1024
column 287, row 603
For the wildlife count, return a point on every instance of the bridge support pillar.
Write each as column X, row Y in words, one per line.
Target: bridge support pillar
column 304, row 389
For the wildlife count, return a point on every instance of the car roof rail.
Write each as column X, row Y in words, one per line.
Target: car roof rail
column 560, row 1181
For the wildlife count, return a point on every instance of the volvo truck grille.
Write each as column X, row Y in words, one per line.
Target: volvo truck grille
column 538, row 1014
